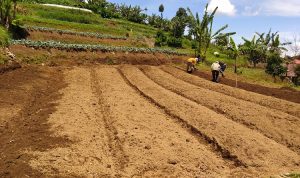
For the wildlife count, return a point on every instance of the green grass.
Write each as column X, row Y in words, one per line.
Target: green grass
column 4, row 37
column 53, row 17
column 251, row 75
column 61, row 2
column 289, row 175
column 4, row 41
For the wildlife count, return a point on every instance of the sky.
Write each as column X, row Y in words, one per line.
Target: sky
column 245, row 17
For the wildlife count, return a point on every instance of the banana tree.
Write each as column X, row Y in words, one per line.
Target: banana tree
column 201, row 29
column 254, row 50
column 235, row 50
column 5, row 12
column 271, row 41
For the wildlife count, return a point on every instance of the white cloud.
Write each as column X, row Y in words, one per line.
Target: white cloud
column 251, row 11
column 224, row 7
column 269, row 7
column 282, row 8
column 294, row 38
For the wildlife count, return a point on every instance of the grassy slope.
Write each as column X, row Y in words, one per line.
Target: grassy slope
column 251, row 75
column 39, row 15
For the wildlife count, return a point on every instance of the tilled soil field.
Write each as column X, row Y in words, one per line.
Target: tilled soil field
column 140, row 121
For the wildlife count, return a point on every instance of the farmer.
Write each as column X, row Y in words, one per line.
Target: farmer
column 223, row 67
column 193, row 62
column 215, row 70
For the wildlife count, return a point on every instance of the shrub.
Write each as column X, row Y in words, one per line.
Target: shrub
column 175, row 42
column 4, row 37
column 274, row 65
column 17, row 31
column 161, row 39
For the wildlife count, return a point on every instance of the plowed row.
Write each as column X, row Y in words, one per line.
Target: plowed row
column 141, row 121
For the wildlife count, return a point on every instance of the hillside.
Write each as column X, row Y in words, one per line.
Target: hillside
column 86, row 96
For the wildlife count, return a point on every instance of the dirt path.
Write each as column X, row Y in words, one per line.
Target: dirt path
column 289, row 95
column 274, row 124
column 242, row 145
column 268, row 101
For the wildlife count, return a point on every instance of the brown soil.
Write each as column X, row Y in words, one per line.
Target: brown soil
column 289, row 95
column 276, row 125
column 57, row 57
column 27, row 97
column 9, row 67
column 234, row 141
column 263, row 100
column 114, row 121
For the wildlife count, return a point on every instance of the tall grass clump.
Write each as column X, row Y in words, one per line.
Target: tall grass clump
column 4, row 37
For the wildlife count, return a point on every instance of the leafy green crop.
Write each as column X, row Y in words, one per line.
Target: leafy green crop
column 86, row 34
column 88, row 47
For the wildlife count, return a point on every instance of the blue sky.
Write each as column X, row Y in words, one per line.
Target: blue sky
column 243, row 16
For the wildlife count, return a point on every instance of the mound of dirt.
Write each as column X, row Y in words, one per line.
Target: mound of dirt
column 9, row 66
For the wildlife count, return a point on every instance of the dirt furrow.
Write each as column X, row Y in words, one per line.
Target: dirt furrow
column 281, row 127
column 253, row 149
column 78, row 118
column 154, row 144
column 114, row 142
column 268, row 101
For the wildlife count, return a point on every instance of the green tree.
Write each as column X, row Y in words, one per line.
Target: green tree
column 161, row 9
column 201, row 29
column 161, row 38
column 222, row 40
column 179, row 23
column 235, row 52
column 274, row 65
column 5, row 12
column 253, row 50
column 154, row 20
column 257, row 50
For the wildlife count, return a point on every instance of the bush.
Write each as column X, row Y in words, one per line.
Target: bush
column 17, row 31
column 161, row 39
column 274, row 65
column 175, row 42
column 4, row 37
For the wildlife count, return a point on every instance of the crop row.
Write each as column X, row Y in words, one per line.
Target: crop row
column 69, row 32
column 87, row 47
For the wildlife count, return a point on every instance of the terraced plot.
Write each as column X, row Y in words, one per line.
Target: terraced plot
column 142, row 121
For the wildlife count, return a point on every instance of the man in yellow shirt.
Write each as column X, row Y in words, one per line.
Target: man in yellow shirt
column 191, row 62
